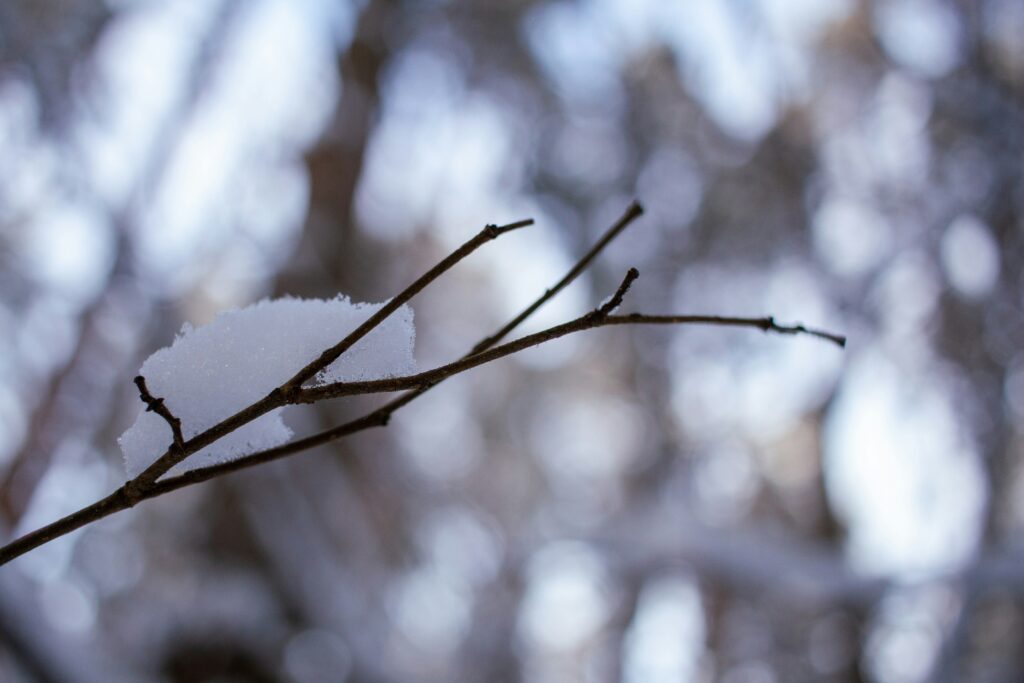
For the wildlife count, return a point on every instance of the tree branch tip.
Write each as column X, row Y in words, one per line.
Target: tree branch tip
column 631, row 275
column 771, row 325
column 492, row 230
column 635, row 208
column 157, row 405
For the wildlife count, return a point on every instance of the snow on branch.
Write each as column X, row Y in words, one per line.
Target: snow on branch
column 222, row 386
column 210, row 373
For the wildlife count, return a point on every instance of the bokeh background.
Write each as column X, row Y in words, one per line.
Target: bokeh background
column 629, row 504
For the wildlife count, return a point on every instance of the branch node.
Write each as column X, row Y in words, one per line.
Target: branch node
column 157, row 405
column 132, row 493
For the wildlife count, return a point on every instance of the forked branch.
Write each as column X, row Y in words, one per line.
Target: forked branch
column 149, row 484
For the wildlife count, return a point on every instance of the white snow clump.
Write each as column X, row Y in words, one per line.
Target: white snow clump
column 211, row 372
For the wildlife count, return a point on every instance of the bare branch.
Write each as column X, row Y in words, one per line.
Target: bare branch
column 158, row 406
column 766, row 324
column 594, row 319
column 634, row 211
column 332, row 354
column 104, row 507
column 616, row 300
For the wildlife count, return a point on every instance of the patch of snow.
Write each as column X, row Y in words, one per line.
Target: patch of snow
column 211, row 372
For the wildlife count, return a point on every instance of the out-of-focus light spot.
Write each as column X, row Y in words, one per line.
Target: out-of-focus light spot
column 803, row 20
column 282, row 74
column 407, row 155
column 113, row 559
column 897, row 133
column 28, row 162
column 437, row 437
column 566, row 598
column 590, row 151
column 922, row 35
column 666, row 639
column 906, row 633
column 586, row 437
column 576, row 49
column 726, row 381
column 430, row 612
column 139, row 92
column 76, row 478
column 901, row 470
column 70, row 249
column 850, row 236
column 970, row 256
column 68, row 606
column 275, row 84
column 727, row 481
column 461, row 547
column 46, row 336
column 906, row 297
column 317, row 656
column 733, row 75
column 526, row 263
column 671, row 188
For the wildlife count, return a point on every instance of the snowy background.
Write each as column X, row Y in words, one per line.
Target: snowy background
column 646, row 505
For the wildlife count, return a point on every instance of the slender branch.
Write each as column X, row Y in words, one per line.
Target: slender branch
column 634, row 211
column 589, row 321
column 766, row 324
column 332, row 354
column 115, row 502
column 158, row 406
column 616, row 299
column 284, row 394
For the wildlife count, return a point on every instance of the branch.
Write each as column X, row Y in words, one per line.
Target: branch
column 158, row 406
column 633, row 212
column 146, row 486
column 284, row 394
column 594, row 319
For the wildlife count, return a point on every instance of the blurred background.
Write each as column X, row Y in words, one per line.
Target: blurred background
column 690, row 504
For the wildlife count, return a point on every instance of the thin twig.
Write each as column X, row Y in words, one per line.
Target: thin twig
column 634, row 211
column 616, row 300
column 157, row 405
